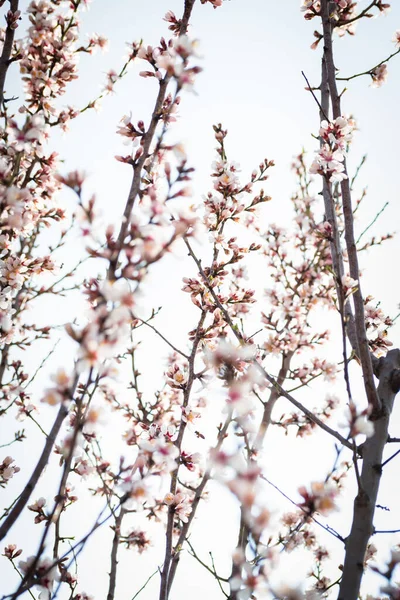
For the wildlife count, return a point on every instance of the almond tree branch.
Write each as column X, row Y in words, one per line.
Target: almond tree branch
column 330, row 215
column 363, row 348
column 79, row 545
column 365, row 501
column 146, row 143
column 196, row 500
column 360, row 15
column 273, row 397
column 59, row 499
column 380, row 401
column 268, row 377
column 165, row 576
column 7, row 49
column 114, row 553
column 30, row 486
column 370, row 70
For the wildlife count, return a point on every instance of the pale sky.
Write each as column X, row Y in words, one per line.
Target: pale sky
column 253, row 52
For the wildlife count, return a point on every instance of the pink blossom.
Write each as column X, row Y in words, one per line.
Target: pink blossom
column 248, row 583
column 164, row 454
column 379, row 75
column 7, row 469
column 320, row 498
column 181, row 505
column 45, row 572
column 330, row 163
column 215, row 3
column 349, row 285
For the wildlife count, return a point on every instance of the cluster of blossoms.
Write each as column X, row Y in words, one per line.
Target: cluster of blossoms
column 254, row 578
column 349, row 286
column 26, row 206
column 302, row 423
column 108, row 323
column 160, row 452
column 49, row 60
column 379, row 75
column 335, row 137
column 11, row 551
column 306, row 284
column 243, row 479
column 61, row 391
column 38, row 508
column 136, row 539
column 359, row 422
column 171, row 59
column 181, row 505
column 377, row 325
column 230, row 200
column 343, row 13
column 7, row 470
column 299, row 533
column 314, row 367
column 161, row 427
column 153, row 225
column 341, row 10
column 319, row 498
column 45, row 574
column 235, row 367
column 158, row 456
column 248, row 580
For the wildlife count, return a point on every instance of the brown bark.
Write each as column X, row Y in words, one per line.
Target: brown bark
column 365, row 501
column 362, row 341
column 30, row 486
column 6, row 53
column 386, row 369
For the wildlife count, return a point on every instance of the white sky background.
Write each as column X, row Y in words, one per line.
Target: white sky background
column 253, row 54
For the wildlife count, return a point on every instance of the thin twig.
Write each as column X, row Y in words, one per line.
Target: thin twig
column 370, row 71
column 145, row 584
column 360, row 15
column 390, row 458
column 326, row 527
column 315, row 97
column 386, row 531
column 373, row 221
column 209, row 569
column 164, row 338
